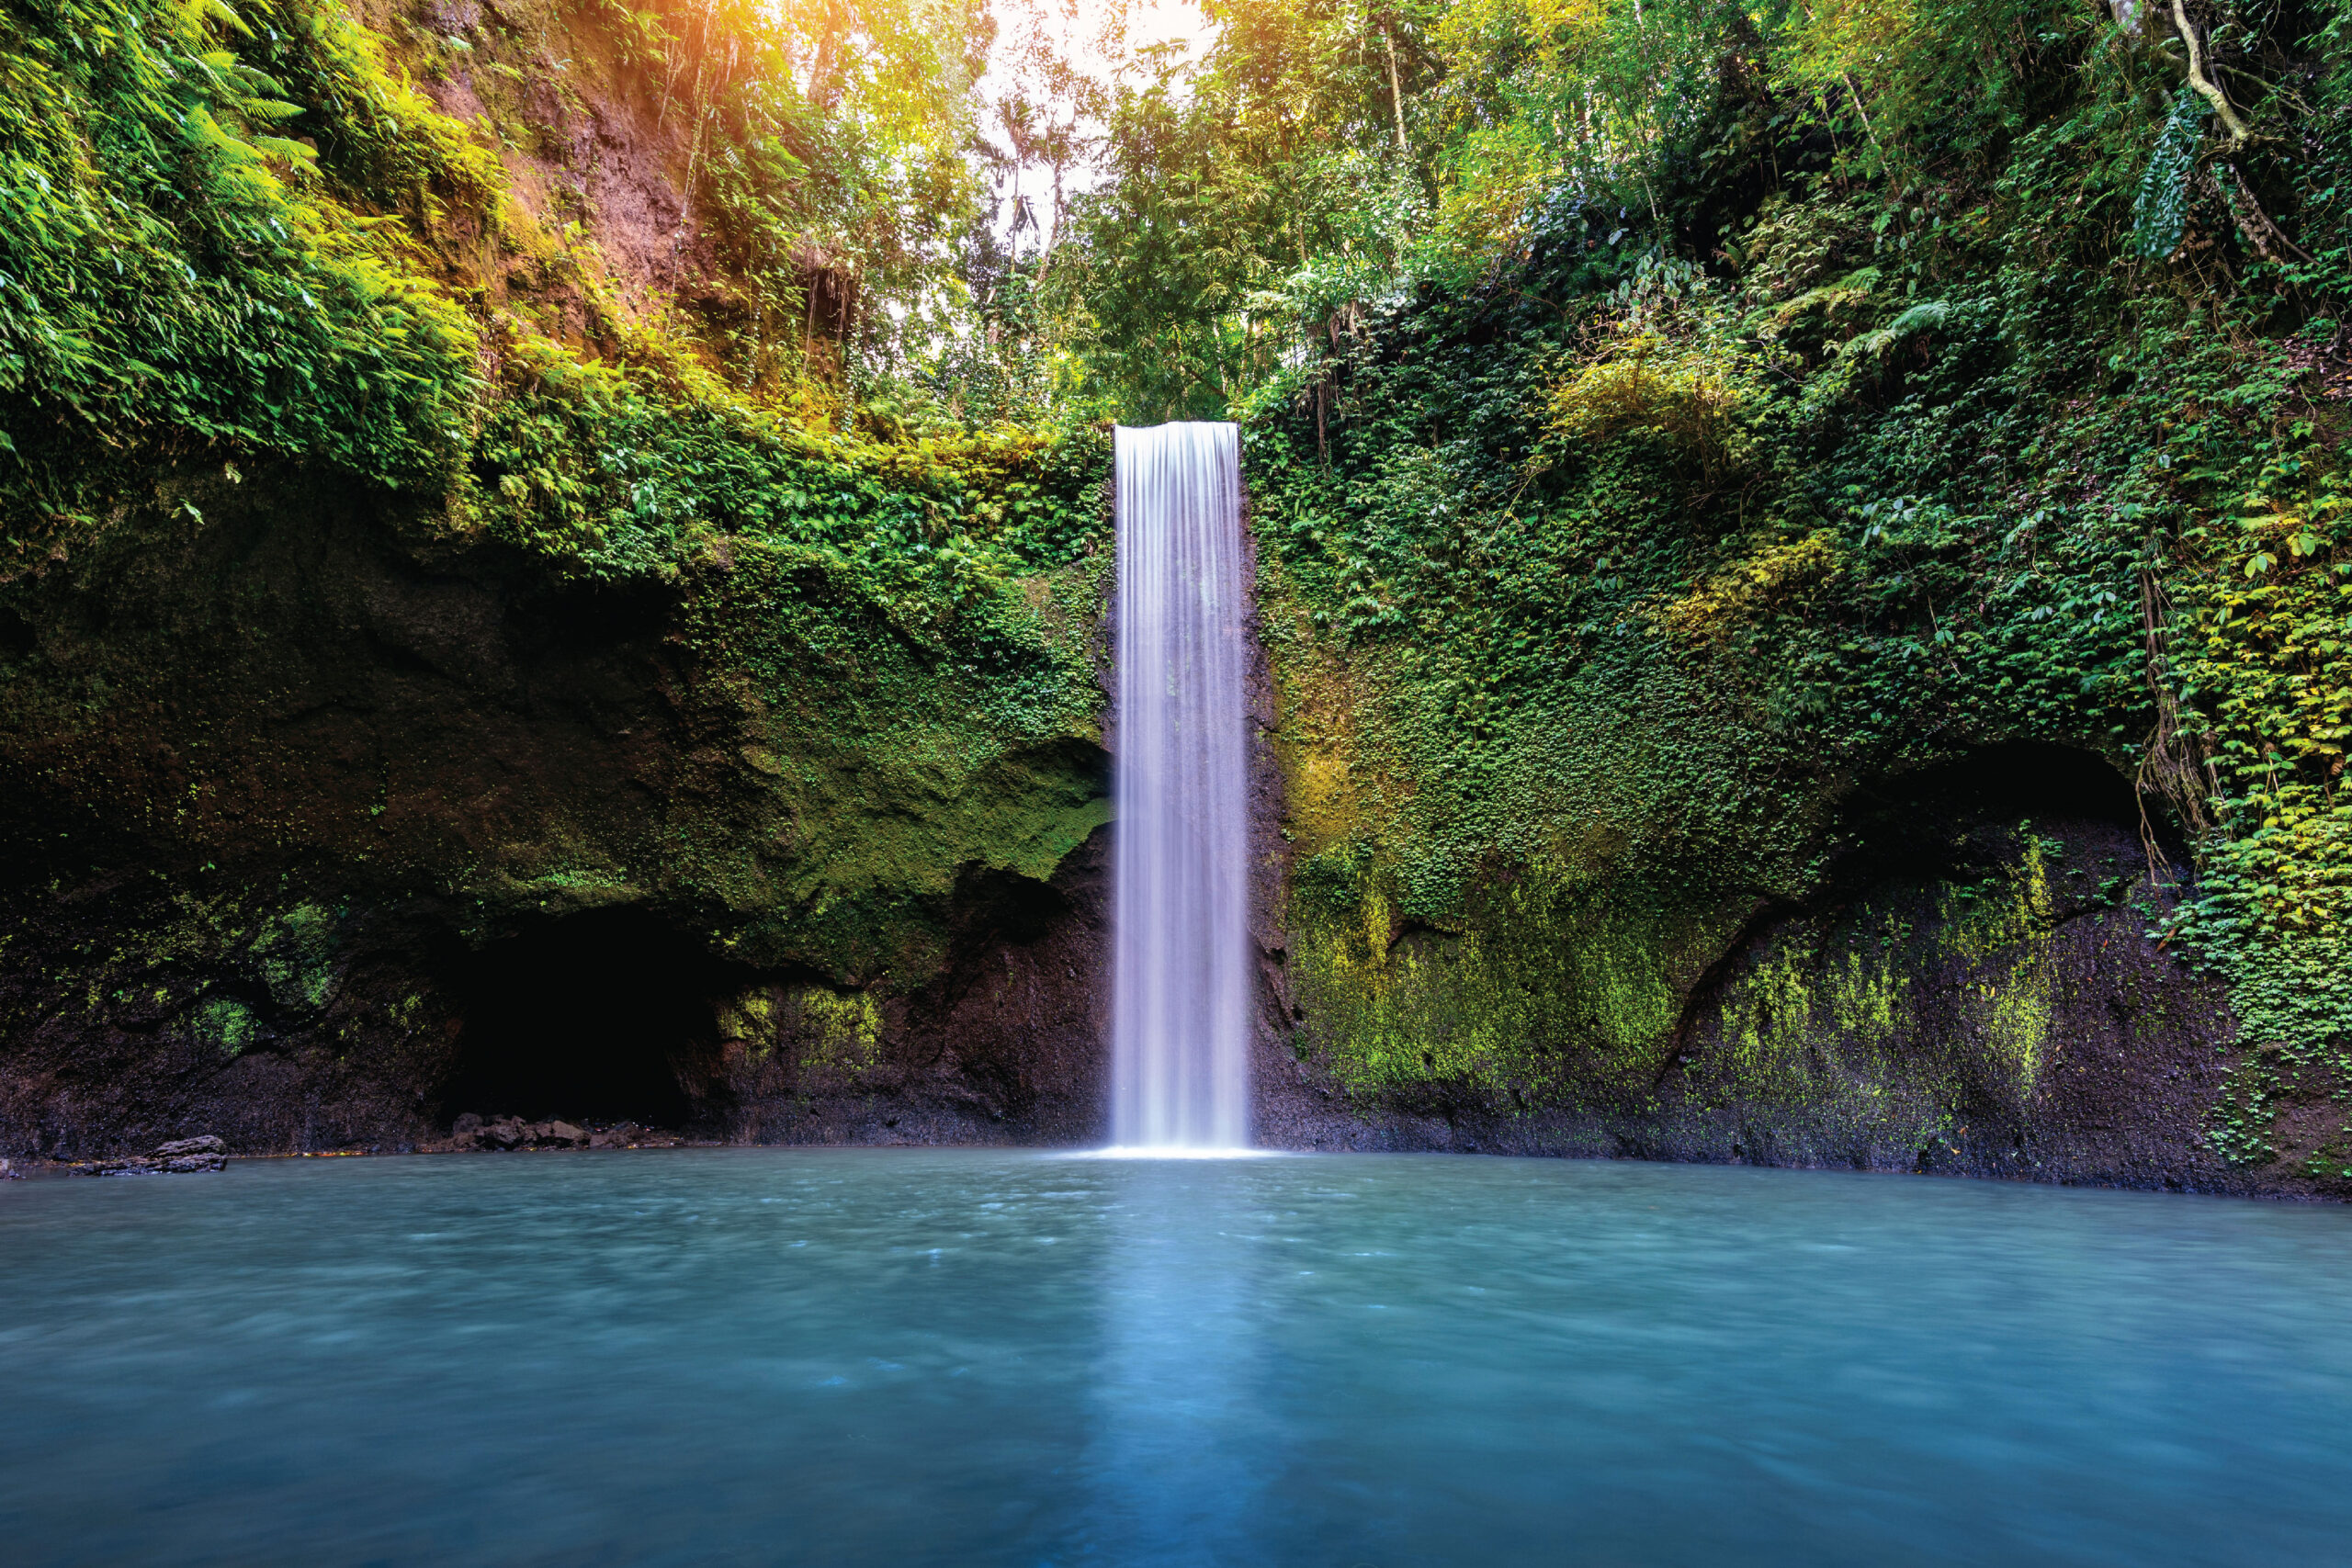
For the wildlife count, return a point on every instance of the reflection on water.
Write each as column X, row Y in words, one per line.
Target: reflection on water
column 1175, row 1460
column 912, row 1357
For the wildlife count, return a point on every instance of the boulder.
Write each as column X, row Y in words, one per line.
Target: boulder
column 178, row 1157
column 182, row 1155
column 181, row 1148
column 506, row 1132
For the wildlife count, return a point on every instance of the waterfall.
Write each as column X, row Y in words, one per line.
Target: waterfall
column 1180, row 1057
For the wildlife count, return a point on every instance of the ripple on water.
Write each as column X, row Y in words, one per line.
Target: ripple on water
column 978, row 1357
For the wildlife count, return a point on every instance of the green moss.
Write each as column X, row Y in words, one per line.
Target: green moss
column 225, row 1022
column 1893, row 1017
column 1543, row 985
column 294, row 953
column 1505, row 887
column 2003, row 937
column 839, row 1033
column 1792, row 1025
column 892, row 755
column 803, row 1039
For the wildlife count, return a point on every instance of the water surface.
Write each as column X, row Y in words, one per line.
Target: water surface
column 911, row 1358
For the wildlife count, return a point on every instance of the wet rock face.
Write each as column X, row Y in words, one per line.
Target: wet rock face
column 288, row 818
column 132, row 1006
column 1973, row 989
column 384, row 1033
column 318, row 833
column 180, row 1157
column 507, row 1132
column 2008, row 1017
column 1007, row 1043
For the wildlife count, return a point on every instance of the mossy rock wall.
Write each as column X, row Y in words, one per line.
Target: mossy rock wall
column 1987, row 1003
column 284, row 775
column 460, row 624
column 1965, row 981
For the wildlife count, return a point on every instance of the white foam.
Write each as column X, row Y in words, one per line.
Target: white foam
column 1173, row 1151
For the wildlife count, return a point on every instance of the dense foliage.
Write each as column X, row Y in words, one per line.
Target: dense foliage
column 587, row 296
column 179, row 269
column 1669, row 414
column 1663, row 415
column 228, row 235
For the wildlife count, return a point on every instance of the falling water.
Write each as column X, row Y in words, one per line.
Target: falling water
column 1180, row 1065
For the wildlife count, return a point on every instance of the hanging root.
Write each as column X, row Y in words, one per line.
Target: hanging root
column 2169, row 767
column 2265, row 236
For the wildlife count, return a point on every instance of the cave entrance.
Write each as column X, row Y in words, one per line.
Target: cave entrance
column 1914, row 823
column 598, row 1018
column 2019, row 778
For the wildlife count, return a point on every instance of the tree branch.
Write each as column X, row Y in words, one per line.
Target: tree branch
column 2198, row 78
column 1396, row 91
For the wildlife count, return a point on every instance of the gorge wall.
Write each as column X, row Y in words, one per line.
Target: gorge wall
column 324, row 834
column 316, row 827
column 1775, row 710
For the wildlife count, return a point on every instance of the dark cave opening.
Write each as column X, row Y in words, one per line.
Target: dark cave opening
column 2013, row 779
column 1928, row 821
column 597, row 1018
column 2016, row 779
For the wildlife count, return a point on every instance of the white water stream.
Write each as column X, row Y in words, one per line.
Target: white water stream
column 1180, row 1060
